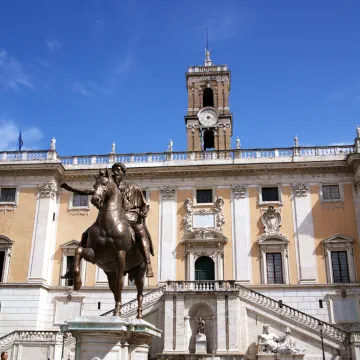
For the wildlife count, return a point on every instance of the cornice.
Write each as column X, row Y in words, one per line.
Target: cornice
column 184, row 171
column 25, row 168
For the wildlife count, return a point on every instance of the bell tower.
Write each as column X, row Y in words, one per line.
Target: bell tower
column 208, row 120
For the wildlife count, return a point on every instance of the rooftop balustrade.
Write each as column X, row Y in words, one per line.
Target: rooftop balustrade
column 185, row 158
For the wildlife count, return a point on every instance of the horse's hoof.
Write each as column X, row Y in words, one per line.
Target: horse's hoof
column 139, row 314
column 149, row 272
column 117, row 310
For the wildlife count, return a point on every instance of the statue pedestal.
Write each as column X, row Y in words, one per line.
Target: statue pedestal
column 273, row 356
column 200, row 344
column 111, row 338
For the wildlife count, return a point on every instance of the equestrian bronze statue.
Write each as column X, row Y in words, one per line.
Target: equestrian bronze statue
column 119, row 241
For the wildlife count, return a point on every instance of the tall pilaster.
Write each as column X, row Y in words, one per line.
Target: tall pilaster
column 167, row 234
column 44, row 234
column 180, row 324
column 221, row 324
column 241, row 232
column 304, row 234
column 169, row 323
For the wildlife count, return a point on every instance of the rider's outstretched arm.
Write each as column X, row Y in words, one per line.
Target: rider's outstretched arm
column 77, row 191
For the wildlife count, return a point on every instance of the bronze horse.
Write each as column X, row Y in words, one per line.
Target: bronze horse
column 111, row 243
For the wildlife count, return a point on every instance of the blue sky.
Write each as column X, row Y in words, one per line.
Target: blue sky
column 90, row 72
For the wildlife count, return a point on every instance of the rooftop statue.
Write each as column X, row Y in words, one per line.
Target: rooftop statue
column 119, row 241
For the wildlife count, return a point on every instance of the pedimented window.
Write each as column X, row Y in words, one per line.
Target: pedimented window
column 67, row 262
column 339, row 259
column 5, row 255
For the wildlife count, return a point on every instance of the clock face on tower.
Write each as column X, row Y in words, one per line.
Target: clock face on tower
column 208, row 117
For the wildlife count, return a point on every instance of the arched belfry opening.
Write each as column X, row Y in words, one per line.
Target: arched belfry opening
column 204, row 268
column 208, row 97
column 209, row 141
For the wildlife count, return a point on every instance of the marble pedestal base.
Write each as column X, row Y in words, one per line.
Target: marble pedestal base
column 111, row 338
column 200, row 344
column 265, row 356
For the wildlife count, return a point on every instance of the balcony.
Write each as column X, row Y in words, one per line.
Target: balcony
column 200, row 286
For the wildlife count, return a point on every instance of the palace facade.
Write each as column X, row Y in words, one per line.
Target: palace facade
column 242, row 238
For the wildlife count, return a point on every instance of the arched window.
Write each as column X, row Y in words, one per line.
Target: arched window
column 204, row 268
column 208, row 97
column 209, row 142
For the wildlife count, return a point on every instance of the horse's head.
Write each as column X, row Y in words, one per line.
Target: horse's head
column 102, row 189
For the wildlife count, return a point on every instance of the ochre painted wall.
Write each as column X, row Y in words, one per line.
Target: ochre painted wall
column 152, row 223
column 286, row 229
column 227, row 227
column 330, row 219
column 255, row 231
column 19, row 227
column 70, row 227
column 180, row 248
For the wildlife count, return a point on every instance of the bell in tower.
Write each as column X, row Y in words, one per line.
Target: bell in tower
column 208, row 120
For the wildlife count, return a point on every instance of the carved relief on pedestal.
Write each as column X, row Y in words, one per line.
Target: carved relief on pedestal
column 48, row 190
column 300, row 189
column 239, row 191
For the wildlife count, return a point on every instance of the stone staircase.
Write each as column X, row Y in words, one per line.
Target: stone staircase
column 130, row 308
column 295, row 316
column 258, row 302
column 54, row 341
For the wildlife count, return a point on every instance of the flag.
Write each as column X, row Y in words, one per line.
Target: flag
column 21, row 143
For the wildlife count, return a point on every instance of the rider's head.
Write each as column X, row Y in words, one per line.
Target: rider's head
column 118, row 170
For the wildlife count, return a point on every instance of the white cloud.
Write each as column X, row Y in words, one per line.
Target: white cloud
column 90, row 88
column 53, row 44
column 12, row 74
column 226, row 23
column 126, row 65
column 9, row 131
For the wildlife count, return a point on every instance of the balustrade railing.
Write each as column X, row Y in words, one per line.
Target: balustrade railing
column 130, row 307
column 38, row 336
column 41, row 155
column 228, row 156
column 288, row 312
column 210, row 68
column 200, row 285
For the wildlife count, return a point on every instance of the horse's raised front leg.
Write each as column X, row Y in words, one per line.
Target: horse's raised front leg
column 120, row 259
column 81, row 253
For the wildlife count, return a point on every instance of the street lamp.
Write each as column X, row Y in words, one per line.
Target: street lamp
column 321, row 328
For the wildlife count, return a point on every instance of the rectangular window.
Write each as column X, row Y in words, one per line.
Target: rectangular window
column 2, row 265
column 80, row 200
column 274, row 268
column 270, row 194
column 340, row 267
column 331, row 192
column 69, row 266
column 8, row 195
column 204, row 196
